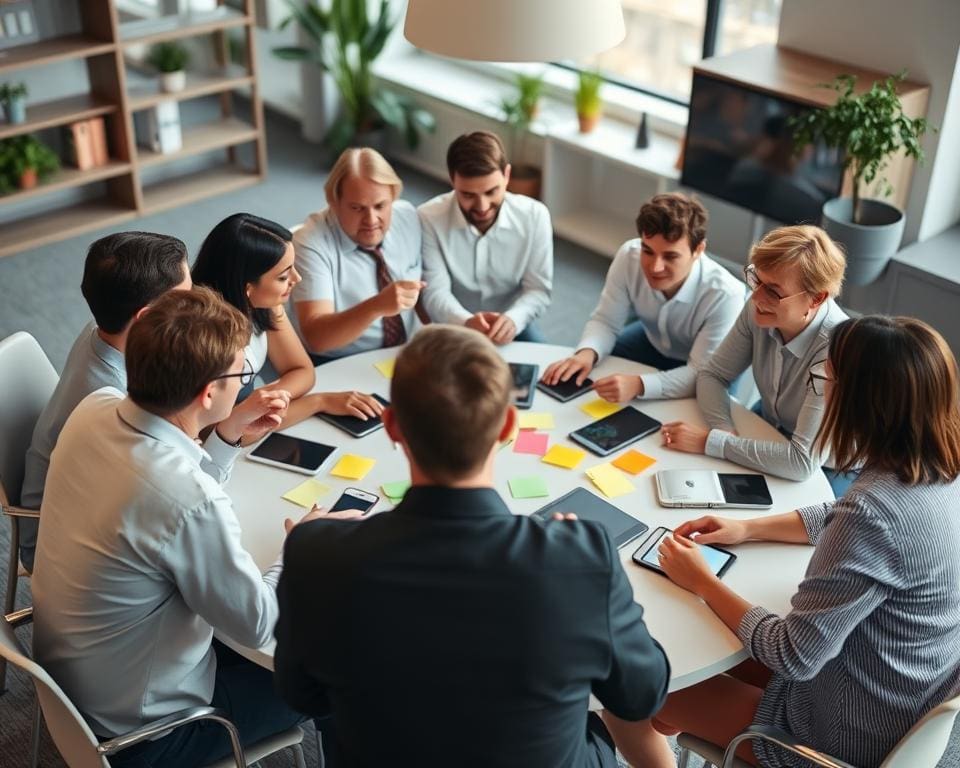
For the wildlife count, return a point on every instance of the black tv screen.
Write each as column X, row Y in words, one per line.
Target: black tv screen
column 740, row 148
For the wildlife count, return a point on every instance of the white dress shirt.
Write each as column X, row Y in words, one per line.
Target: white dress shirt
column 508, row 268
column 689, row 326
column 334, row 268
column 138, row 560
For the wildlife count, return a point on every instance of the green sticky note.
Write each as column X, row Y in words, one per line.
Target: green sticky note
column 396, row 490
column 531, row 487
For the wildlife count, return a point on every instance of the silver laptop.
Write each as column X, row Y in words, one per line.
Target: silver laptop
column 706, row 489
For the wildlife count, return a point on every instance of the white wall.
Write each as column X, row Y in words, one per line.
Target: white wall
column 887, row 35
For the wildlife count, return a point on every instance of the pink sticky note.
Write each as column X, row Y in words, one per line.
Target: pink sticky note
column 531, row 442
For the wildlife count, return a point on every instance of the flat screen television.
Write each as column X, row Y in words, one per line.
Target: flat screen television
column 740, row 148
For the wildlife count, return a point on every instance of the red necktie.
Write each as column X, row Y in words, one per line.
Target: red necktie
column 394, row 333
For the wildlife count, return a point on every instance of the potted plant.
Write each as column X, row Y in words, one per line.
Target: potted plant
column 13, row 96
column 587, row 99
column 870, row 128
column 345, row 40
column 24, row 161
column 519, row 111
column 170, row 60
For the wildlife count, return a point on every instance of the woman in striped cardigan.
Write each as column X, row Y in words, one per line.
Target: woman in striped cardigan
column 873, row 638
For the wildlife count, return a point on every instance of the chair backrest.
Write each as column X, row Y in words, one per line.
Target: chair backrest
column 925, row 743
column 74, row 740
column 27, row 380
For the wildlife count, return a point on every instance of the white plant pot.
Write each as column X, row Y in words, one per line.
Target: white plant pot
column 172, row 82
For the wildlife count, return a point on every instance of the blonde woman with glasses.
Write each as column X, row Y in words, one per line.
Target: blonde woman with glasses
column 783, row 332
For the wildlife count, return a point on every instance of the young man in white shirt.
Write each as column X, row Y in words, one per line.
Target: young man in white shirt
column 360, row 261
column 139, row 559
column 684, row 304
column 487, row 253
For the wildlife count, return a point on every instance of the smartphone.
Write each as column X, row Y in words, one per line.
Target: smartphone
column 565, row 391
column 354, row 498
column 719, row 560
column 292, row 453
column 524, row 381
column 615, row 431
column 353, row 425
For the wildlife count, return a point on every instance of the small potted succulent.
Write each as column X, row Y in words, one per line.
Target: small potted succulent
column 13, row 96
column 587, row 100
column 24, row 161
column 170, row 60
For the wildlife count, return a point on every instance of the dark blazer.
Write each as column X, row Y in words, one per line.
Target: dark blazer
column 451, row 632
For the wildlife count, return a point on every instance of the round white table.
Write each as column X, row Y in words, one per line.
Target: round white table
column 697, row 643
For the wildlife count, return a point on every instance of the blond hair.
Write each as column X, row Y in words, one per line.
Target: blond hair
column 805, row 249
column 364, row 163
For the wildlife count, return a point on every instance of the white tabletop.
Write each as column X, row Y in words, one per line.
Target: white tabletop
column 697, row 643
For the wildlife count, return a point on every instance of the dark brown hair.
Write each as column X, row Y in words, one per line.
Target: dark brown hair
column 450, row 392
column 184, row 341
column 894, row 405
column 476, row 154
column 673, row 215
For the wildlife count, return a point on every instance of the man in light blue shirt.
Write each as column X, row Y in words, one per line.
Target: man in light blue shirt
column 123, row 274
column 683, row 303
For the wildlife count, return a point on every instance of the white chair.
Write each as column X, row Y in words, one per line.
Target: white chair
column 921, row 747
column 27, row 380
column 79, row 746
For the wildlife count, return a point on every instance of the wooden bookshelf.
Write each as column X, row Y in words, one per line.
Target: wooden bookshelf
column 102, row 43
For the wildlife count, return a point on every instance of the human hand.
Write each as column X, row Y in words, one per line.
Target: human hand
column 399, row 296
column 619, row 388
column 321, row 513
column 502, row 330
column 684, row 564
column 681, row 436
column 357, row 404
column 579, row 364
column 714, row 530
column 563, row 516
column 480, row 322
column 255, row 416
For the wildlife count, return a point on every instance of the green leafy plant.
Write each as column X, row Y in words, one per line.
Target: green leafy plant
column 168, row 57
column 518, row 111
column 345, row 40
column 587, row 96
column 870, row 127
column 20, row 154
column 11, row 91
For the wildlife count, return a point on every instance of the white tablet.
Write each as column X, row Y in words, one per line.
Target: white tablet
column 703, row 488
column 293, row 453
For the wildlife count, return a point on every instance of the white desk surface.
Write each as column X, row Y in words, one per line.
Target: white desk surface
column 697, row 643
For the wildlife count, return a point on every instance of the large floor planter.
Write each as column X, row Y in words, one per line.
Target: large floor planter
column 869, row 245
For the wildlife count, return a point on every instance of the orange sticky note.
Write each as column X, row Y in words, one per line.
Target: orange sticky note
column 634, row 462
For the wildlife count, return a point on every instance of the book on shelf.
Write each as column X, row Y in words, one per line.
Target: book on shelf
column 87, row 143
column 158, row 128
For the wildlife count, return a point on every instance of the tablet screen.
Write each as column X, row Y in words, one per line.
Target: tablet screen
column 566, row 390
column 294, row 451
column 618, row 428
column 745, row 489
column 524, row 378
column 716, row 559
column 354, row 425
column 588, row 506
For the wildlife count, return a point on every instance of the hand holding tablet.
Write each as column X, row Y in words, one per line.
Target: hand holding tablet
column 682, row 560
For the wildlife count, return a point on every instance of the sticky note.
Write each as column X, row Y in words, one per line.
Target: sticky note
column 396, row 490
column 536, row 421
column 353, row 467
column 610, row 480
column 562, row 456
column 307, row 493
column 532, row 487
column 600, row 408
column 531, row 442
column 634, row 462
column 386, row 367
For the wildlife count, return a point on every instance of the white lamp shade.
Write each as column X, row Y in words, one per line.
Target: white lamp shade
column 514, row 30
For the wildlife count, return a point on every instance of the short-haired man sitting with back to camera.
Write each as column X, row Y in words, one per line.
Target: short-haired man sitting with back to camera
column 449, row 631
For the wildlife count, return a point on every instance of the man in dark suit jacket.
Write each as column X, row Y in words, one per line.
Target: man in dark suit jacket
column 449, row 631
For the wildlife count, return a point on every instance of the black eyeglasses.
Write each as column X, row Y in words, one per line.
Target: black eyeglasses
column 754, row 282
column 245, row 376
column 816, row 381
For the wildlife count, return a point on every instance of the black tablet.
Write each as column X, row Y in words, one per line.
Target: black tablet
column 290, row 452
column 613, row 432
column 588, row 506
column 647, row 554
column 524, row 381
column 565, row 391
column 353, row 425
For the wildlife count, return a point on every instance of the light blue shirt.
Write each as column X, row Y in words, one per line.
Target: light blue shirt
column 138, row 561
column 334, row 268
column 91, row 365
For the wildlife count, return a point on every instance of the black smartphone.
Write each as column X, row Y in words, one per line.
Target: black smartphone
column 354, row 498
column 565, row 391
column 615, row 431
column 524, row 381
column 353, row 425
column 719, row 560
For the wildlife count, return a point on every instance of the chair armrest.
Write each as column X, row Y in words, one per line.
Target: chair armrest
column 12, row 511
column 19, row 618
column 176, row 720
column 783, row 740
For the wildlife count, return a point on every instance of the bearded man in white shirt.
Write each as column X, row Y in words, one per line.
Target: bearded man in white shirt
column 487, row 253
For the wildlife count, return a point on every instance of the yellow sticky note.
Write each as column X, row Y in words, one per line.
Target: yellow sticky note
column 307, row 493
column 610, row 480
column 353, row 467
column 562, row 456
column 536, row 421
column 634, row 462
column 386, row 367
column 600, row 408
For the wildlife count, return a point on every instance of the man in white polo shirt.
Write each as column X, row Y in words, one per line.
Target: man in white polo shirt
column 360, row 261
column 487, row 253
column 682, row 304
